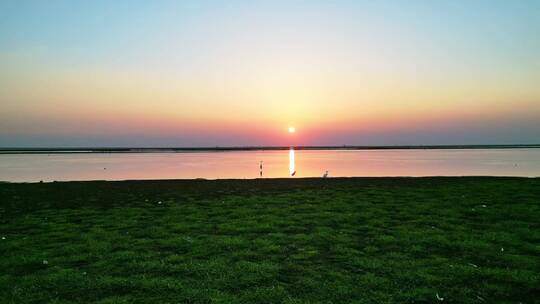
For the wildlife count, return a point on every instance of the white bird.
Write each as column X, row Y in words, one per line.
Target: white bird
column 325, row 175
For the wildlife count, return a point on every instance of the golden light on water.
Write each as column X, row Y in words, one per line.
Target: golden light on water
column 292, row 170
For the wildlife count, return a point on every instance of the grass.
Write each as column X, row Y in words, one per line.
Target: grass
column 361, row 240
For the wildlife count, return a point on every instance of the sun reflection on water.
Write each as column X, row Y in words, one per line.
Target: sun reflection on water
column 292, row 170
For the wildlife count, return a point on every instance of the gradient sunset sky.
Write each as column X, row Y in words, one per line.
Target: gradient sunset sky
column 230, row 73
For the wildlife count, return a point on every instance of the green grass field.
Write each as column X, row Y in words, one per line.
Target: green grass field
column 361, row 240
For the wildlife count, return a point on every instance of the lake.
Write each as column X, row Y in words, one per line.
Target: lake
column 246, row 164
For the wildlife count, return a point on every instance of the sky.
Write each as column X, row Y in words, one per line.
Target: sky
column 240, row 73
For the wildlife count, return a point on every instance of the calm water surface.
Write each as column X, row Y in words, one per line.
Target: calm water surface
column 245, row 164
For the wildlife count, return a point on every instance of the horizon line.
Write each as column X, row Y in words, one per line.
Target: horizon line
column 44, row 150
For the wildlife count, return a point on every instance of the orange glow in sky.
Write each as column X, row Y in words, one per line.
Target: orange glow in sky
column 193, row 73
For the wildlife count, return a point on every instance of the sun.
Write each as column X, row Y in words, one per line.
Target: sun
column 292, row 130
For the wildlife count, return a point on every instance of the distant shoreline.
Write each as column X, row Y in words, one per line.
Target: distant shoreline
column 60, row 150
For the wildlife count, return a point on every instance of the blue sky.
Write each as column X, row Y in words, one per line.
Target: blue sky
column 343, row 72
